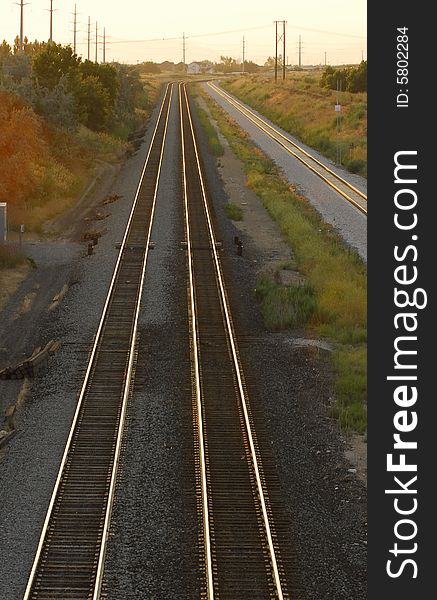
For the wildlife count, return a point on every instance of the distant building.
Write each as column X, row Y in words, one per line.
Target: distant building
column 194, row 68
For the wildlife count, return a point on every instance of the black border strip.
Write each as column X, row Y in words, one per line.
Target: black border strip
column 395, row 127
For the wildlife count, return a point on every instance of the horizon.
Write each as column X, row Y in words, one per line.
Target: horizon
column 336, row 28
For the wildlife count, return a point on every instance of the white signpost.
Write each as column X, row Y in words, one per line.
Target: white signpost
column 3, row 222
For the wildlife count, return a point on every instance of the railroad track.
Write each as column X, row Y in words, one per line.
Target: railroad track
column 71, row 550
column 346, row 190
column 239, row 544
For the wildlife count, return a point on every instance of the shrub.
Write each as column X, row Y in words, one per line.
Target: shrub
column 233, row 211
column 93, row 101
column 285, row 307
column 356, row 165
column 22, row 143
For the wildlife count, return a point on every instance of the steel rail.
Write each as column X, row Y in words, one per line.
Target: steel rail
column 91, row 362
column 194, row 337
column 99, row 573
column 236, row 365
column 268, row 129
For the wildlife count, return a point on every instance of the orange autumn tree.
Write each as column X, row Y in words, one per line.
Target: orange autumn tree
column 22, row 145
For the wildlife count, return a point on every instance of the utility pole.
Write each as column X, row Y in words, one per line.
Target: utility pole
column 74, row 28
column 278, row 39
column 276, row 52
column 21, row 25
column 22, row 5
column 89, row 36
column 325, row 59
column 97, row 40
column 243, row 52
column 283, row 52
column 183, row 47
column 300, row 51
column 51, row 21
column 104, row 45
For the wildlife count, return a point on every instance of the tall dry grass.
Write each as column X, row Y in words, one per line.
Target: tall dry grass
column 334, row 301
column 300, row 106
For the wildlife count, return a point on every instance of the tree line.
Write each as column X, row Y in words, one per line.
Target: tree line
column 350, row 79
column 68, row 91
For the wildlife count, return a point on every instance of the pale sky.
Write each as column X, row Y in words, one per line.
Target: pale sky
column 337, row 27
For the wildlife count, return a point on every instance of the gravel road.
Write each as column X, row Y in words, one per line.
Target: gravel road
column 350, row 223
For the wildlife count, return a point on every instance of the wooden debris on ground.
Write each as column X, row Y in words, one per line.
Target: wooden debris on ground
column 32, row 365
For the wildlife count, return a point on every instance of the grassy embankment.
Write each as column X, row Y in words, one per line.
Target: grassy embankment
column 44, row 169
column 303, row 108
column 332, row 302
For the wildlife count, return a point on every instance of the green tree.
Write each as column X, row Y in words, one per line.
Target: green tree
column 227, row 64
column 270, row 62
column 32, row 48
column 52, row 63
column 106, row 74
column 16, row 47
column 15, row 68
column 332, row 77
column 352, row 79
column 357, row 78
column 5, row 50
column 93, row 101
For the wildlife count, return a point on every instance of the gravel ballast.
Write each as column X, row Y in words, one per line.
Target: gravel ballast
column 152, row 552
column 153, row 544
column 290, row 393
column 350, row 223
column 30, row 462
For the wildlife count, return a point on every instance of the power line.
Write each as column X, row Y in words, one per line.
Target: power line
column 336, row 33
column 209, row 34
column 195, row 35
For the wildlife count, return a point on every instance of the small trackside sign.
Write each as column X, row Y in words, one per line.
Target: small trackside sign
column 3, row 222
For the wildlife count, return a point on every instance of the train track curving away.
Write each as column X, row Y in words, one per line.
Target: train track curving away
column 345, row 189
